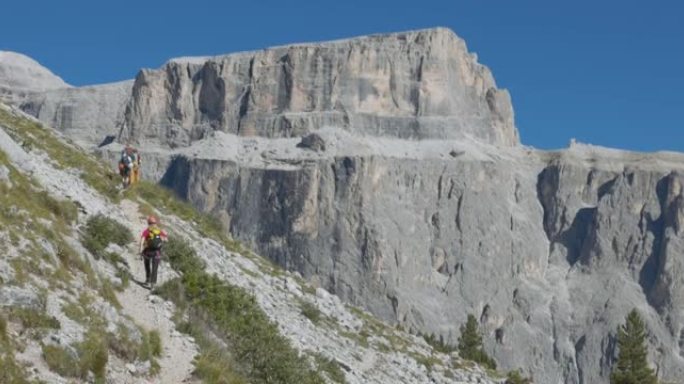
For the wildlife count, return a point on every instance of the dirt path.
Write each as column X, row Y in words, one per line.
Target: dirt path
column 153, row 313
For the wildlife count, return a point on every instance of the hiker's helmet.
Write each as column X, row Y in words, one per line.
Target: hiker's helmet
column 152, row 220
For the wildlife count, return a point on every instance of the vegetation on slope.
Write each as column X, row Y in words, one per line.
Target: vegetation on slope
column 257, row 352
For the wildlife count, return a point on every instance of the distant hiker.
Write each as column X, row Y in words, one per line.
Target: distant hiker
column 126, row 165
column 151, row 241
column 137, row 163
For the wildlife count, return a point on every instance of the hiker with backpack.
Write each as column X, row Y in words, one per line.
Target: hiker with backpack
column 151, row 242
column 126, row 165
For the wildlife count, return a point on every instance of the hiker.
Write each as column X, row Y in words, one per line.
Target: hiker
column 151, row 241
column 126, row 165
column 137, row 163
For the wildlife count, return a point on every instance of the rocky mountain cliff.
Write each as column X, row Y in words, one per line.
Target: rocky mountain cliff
column 409, row 194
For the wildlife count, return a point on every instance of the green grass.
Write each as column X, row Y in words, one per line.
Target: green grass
column 331, row 368
column 147, row 349
column 108, row 292
column 33, row 135
column 33, row 318
column 10, row 371
column 258, row 352
column 92, row 357
column 100, row 231
column 516, row 377
column 438, row 344
column 427, row 361
column 3, row 329
column 27, row 202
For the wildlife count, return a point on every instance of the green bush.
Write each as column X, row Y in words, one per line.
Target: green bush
column 10, row 371
column 331, row 368
column 438, row 344
column 515, row 377
column 93, row 355
column 260, row 353
column 34, row 319
column 100, row 231
column 310, row 311
column 59, row 360
column 3, row 329
column 155, row 343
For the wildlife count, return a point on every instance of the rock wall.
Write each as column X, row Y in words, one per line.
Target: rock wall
column 549, row 251
column 418, row 85
column 86, row 114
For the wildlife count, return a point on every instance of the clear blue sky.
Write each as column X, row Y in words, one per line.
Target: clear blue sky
column 605, row 72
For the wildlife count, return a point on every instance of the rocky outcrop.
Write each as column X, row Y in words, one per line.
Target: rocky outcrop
column 416, row 85
column 548, row 250
column 87, row 115
column 21, row 76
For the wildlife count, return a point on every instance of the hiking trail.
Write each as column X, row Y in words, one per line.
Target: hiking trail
column 154, row 313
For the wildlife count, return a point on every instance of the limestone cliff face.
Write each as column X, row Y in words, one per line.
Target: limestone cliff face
column 421, row 84
column 86, row 115
column 550, row 251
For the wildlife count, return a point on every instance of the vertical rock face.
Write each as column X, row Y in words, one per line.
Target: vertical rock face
column 415, row 85
column 85, row 114
column 549, row 251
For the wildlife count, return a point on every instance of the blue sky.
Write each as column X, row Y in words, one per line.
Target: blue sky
column 605, row 72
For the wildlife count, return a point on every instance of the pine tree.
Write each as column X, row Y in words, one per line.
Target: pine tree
column 631, row 366
column 470, row 344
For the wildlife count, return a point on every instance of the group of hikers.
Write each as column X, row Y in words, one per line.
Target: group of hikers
column 153, row 237
column 130, row 166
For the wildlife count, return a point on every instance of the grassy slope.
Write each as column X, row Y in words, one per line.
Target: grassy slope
column 255, row 353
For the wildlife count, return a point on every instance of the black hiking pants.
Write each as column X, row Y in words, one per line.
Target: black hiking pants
column 151, row 259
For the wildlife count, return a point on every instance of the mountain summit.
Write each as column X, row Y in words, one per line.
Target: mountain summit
column 21, row 75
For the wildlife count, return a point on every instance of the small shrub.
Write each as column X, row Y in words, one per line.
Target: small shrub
column 3, row 329
column 93, row 355
column 34, row 319
column 10, row 371
column 310, row 311
column 211, row 367
column 100, row 231
column 155, row 343
column 59, row 360
column 108, row 293
column 331, row 368
column 438, row 344
column 515, row 377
